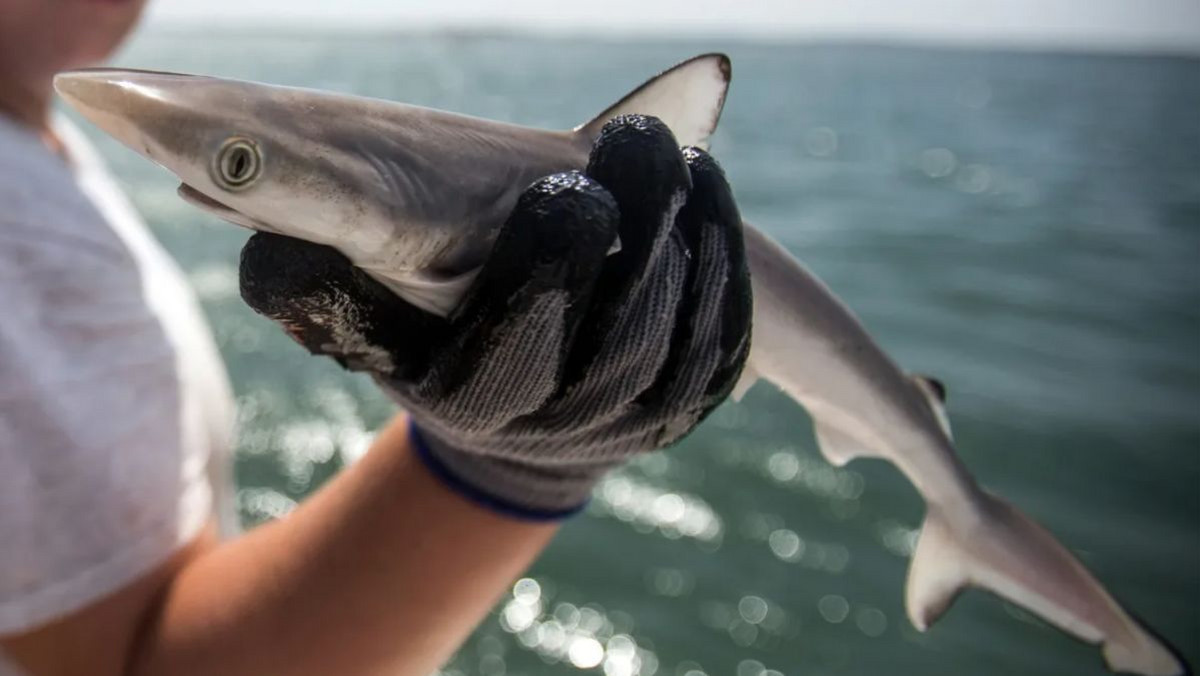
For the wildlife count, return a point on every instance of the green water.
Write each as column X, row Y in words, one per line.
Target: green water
column 1025, row 227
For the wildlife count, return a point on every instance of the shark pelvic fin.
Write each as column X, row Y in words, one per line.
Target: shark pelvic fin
column 1001, row 550
column 687, row 97
column 837, row 446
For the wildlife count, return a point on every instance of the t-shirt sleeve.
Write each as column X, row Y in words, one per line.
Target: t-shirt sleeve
column 96, row 486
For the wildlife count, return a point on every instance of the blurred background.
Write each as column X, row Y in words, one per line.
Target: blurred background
column 1008, row 195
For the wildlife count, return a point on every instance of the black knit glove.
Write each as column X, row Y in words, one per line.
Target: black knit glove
column 562, row 361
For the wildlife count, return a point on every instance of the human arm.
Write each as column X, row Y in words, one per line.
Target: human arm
column 383, row 569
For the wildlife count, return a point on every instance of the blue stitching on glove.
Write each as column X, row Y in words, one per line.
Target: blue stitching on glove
column 478, row 495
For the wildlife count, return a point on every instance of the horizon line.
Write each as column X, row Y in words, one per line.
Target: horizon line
column 970, row 42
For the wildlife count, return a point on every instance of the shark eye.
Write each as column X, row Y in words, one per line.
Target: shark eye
column 237, row 164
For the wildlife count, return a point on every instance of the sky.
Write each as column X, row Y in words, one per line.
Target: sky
column 1156, row 25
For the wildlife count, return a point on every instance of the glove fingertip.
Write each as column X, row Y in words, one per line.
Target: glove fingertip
column 637, row 158
column 700, row 161
column 556, row 237
column 712, row 198
column 567, row 206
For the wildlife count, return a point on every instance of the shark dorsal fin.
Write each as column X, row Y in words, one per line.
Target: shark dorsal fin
column 932, row 387
column 688, row 97
column 935, row 393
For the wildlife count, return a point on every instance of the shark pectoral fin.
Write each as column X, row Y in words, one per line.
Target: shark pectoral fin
column 837, row 446
column 999, row 549
column 687, row 97
column 935, row 394
column 437, row 294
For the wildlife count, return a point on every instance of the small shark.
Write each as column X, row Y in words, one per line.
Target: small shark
column 415, row 197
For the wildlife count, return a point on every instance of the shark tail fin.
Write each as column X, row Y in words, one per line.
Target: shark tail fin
column 687, row 97
column 1005, row 552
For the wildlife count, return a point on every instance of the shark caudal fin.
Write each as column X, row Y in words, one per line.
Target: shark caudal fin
column 687, row 97
column 1005, row 552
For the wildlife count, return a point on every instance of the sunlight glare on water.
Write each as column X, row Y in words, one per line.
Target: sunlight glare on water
column 583, row 637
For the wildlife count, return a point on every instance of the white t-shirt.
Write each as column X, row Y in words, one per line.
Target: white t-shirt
column 115, row 412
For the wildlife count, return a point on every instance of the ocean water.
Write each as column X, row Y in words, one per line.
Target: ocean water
column 1026, row 227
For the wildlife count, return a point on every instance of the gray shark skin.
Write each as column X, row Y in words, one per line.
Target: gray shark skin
column 415, row 196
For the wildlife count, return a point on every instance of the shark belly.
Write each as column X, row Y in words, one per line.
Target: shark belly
column 811, row 346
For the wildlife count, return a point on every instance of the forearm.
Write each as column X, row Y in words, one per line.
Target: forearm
column 382, row 569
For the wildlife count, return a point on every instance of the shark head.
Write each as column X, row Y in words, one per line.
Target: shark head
column 270, row 158
column 411, row 195
column 214, row 136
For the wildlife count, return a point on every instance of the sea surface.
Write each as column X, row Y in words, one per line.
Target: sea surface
column 1023, row 226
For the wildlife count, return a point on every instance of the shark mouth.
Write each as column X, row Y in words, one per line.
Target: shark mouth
column 220, row 210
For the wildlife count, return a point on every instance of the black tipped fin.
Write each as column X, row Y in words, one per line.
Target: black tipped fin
column 688, row 97
column 932, row 385
column 935, row 394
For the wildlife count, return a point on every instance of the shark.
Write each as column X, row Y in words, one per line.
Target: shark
column 415, row 196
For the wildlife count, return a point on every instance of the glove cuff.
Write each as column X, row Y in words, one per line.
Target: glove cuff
column 508, row 488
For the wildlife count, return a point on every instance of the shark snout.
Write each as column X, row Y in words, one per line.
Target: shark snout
column 102, row 87
column 91, row 89
column 129, row 105
column 108, row 101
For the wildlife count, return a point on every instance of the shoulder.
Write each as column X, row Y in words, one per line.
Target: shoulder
column 98, row 476
column 47, row 224
column 73, row 292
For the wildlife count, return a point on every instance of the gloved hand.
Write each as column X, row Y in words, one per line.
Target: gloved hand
column 562, row 361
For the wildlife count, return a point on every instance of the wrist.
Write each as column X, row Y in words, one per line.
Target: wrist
column 502, row 486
